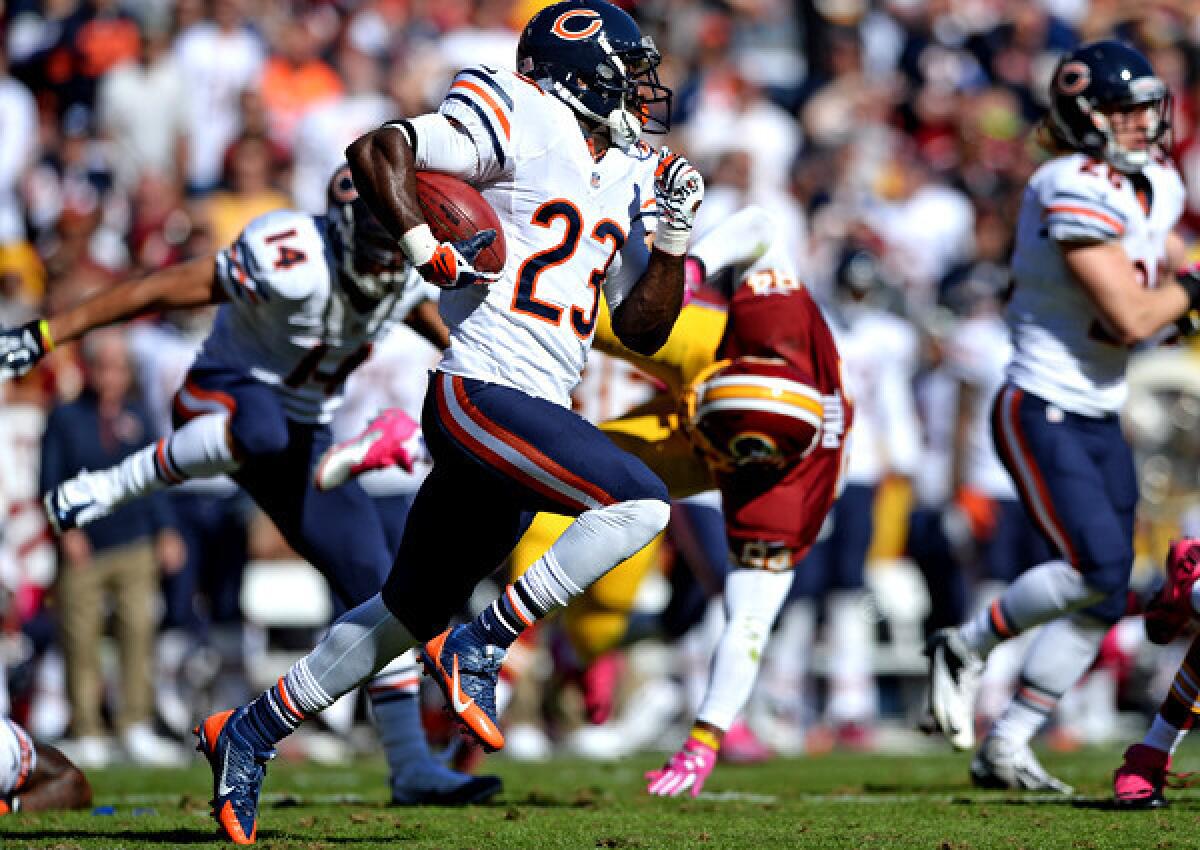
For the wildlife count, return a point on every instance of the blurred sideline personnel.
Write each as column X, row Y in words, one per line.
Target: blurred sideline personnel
column 754, row 406
column 36, row 777
column 1095, row 222
column 302, row 298
column 555, row 150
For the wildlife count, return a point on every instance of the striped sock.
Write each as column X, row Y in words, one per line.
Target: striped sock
column 990, row 626
column 1029, row 710
column 543, row 588
column 1182, row 703
column 284, row 706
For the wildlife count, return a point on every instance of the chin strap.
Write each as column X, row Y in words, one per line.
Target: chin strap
column 624, row 128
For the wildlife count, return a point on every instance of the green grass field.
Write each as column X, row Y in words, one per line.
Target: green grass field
column 832, row 801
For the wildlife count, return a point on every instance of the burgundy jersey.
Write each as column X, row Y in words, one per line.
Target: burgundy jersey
column 773, row 519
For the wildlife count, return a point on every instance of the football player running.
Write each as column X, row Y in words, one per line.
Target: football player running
column 555, row 150
column 301, row 299
column 754, row 406
column 1096, row 222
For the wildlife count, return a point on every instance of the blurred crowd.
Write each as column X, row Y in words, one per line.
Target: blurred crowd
column 891, row 138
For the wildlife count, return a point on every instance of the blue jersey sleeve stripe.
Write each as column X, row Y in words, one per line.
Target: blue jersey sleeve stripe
column 492, row 84
column 487, row 124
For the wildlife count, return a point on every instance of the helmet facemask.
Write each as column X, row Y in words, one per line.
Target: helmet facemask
column 367, row 256
column 1095, row 133
column 623, row 93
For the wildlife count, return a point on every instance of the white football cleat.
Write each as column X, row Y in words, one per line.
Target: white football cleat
column 80, row 500
column 954, row 671
column 1004, row 764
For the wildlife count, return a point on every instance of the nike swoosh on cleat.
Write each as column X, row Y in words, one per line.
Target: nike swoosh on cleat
column 456, row 692
column 224, row 790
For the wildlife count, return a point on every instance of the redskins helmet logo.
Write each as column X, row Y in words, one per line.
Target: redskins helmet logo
column 1073, row 77
column 754, row 447
column 577, row 24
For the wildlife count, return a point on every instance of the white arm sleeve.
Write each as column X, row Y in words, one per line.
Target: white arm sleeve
column 440, row 146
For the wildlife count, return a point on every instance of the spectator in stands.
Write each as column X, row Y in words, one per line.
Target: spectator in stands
column 118, row 558
column 324, row 133
column 251, row 190
column 295, row 80
column 18, row 140
column 219, row 57
column 142, row 109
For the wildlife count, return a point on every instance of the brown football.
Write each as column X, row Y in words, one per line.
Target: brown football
column 456, row 210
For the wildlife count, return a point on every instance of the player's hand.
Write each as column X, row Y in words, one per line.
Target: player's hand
column 678, row 191
column 452, row 264
column 21, row 348
column 687, row 770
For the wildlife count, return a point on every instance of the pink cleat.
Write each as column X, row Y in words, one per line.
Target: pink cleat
column 1170, row 611
column 742, row 746
column 1139, row 782
column 392, row 438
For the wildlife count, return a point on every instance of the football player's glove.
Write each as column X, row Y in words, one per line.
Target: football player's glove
column 448, row 265
column 1189, row 278
column 687, row 770
column 21, row 348
column 678, row 192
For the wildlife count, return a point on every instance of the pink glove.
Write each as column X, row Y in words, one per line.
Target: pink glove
column 688, row 768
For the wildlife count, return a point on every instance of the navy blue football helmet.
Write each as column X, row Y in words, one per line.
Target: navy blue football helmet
column 367, row 255
column 1105, row 76
column 592, row 56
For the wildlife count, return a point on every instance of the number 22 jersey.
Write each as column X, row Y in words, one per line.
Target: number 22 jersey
column 1062, row 351
column 573, row 226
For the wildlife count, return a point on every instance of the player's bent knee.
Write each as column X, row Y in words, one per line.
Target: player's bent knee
column 1111, row 576
column 256, row 436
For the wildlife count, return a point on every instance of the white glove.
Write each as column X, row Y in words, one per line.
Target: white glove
column 21, row 348
column 678, row 191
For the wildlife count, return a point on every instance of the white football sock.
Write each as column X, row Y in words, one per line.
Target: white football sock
column 199, row 449
column 1037, row 596
column 785, row 665
column 1061, row 653
column 852, row 696
column 752, row 601
column 362, row 642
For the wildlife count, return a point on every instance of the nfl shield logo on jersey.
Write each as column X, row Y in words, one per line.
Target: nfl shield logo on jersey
column 595, row 179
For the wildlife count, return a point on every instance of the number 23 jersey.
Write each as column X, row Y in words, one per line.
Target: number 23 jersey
column 573, row 226
column 289, row 322
column 1062, row 351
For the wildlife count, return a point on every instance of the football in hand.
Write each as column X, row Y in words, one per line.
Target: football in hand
column 457, row 211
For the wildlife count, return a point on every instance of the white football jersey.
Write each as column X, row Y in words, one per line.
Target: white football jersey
column 18, row 758
column 1062, row 351
column 573, row 226
column 289, row 322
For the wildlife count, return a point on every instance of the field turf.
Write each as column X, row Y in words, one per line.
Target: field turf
column 832, row 801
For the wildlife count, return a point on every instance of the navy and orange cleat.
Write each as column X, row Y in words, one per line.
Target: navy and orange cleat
column 1170, row 612
column 467, row 671
column 238, row 772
